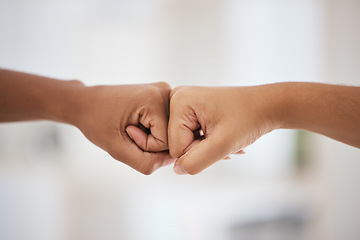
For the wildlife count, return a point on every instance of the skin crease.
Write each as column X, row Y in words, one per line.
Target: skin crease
column 127, row 108
column 215, row 109
column 107, row 115
column 232, row 118
column 206, row 124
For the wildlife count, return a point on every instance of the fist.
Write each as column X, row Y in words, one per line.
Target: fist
column 209, row 123
column 130, row 122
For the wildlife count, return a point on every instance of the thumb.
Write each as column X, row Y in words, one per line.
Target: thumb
column 203, row 154
column 146, row 142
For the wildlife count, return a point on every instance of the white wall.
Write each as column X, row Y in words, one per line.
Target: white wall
column 339, row 165
column 79, row 192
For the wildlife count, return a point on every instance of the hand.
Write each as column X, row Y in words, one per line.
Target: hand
column 109, row 116
column 230, row 118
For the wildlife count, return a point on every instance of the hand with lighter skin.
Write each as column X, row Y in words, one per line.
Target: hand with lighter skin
column 232, row 118
column 109, row 116
column 206, row 124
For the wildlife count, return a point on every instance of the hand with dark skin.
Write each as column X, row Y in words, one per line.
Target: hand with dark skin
column 109, row 116
column 232, row 118
column 130, row 122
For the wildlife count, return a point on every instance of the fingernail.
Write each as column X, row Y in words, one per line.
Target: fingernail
column 179, row 170
column 127, row 131
column 169, row 160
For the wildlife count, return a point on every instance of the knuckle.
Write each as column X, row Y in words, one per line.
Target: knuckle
column 154, row 94
column 175, row 152
column 151, row 97
column 161, row 146
column 163, row 85
column 176, row 91
column 182, row 93
column 150, row 89
column 146, row 171
column 76, row 82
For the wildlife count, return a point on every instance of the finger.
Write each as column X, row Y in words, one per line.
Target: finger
column 182, row 125
column 176, row 90
column 156, row 118
column 240, row 152
column 164, row 89
column 147, row 163
column 145, row 141
column 158, row 124
column 144, row 162
column 204, row 154
column 163, row 86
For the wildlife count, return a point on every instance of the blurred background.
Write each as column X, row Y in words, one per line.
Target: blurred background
column 291, row 185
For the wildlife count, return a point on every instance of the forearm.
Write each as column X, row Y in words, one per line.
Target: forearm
column 331, row 110
column 31, row 97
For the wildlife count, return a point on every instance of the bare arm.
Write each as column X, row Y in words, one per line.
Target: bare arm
column 109, row 116
column 331, row 110
column 30, row 97
column 233, row 118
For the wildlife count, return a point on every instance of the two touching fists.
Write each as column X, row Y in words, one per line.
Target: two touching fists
column 149, row 126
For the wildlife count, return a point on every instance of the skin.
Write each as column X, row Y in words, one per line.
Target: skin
column 206, row 124
column 232, row 118
column 109, row 116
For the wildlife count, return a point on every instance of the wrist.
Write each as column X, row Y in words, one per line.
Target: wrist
column 66, row 102
column 290, row 103
column 277, row 104
column 271, row 106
